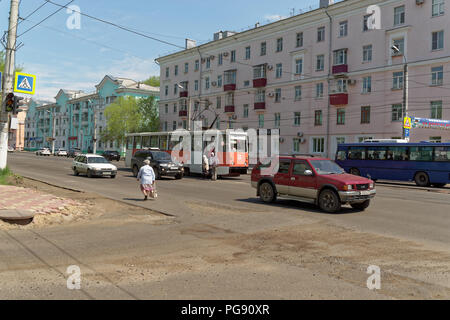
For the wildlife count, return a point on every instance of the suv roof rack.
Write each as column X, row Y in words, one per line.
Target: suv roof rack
column 298, row 155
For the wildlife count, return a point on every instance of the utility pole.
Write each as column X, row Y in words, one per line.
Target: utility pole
column 8, row 80
column 95, row 129
column 405, row 96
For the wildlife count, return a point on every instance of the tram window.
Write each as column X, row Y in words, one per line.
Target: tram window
column 154, row 142
column 129, row 143
column 146, row 142
column 138, row 143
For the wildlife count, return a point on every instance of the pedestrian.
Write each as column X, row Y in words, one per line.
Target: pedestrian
column 205, row 166
column 146, row 176
column 212, row 166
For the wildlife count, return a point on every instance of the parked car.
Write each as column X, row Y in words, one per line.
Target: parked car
column 43, row 152
column 111, row 155
column 10, row 149
column 73, row 152
column 160, row 161
column 315, row 180
column 61, row 153
column 93, row 165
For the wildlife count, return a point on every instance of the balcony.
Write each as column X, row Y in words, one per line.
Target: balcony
column 339, row 69
column 229, row 87
column 184, row 94
column 229, row 109
column 259, row 83
column 183, row 113
column 339, row 99
column 260, row 106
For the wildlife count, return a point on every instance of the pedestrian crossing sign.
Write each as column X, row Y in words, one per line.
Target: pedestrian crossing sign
column 24, row 83
column 407, row 123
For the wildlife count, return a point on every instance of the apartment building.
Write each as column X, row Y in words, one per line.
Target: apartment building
column 323, row 77
column 70, row 120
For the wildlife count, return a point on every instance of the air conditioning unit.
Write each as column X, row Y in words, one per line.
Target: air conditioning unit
column 212, row 57
column 269, row 67
column 203, row 60
column 225, row 54
column 302, row 140
column 234, row 117
column 420, row 2
column 214, row 83
column 271, row 94
column 300, row 134
column 281, row 139
column 351, row 82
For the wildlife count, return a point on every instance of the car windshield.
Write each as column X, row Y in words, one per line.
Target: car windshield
column 326, row 167
column 161, row 156
column 97, row 160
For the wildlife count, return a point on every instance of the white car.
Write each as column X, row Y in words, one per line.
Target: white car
column 93, row 165
column 43, row 152
column 10, row 149
column 61, row 153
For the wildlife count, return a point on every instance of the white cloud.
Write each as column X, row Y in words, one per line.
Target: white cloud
column 274, row 17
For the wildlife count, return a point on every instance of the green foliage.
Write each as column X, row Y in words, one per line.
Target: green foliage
column 152, row 81
column 4, row 175
column 2, row 66
column 129, row 115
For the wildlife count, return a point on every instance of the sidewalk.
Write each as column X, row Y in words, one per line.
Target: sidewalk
column 16, row 198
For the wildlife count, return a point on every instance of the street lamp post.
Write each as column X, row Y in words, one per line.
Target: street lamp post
column 53, row 129
column 405, row 89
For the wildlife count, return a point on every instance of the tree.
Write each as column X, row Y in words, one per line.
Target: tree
column 152, row 81
column 149, row 115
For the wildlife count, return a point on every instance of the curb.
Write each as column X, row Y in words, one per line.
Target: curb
column 402, row 186
column 110, row 198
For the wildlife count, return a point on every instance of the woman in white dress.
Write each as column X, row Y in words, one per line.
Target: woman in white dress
column 146, row 176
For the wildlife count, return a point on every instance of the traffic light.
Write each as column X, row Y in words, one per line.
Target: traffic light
column 10, row 102
column 18, row 103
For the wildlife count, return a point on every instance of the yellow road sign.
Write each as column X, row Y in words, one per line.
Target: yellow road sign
column 24, row 83
column 407, row 123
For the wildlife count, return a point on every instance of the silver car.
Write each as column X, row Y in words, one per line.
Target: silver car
column 43, row 152
column 93, row 165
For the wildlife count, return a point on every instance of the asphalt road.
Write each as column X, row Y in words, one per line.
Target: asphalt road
column 410, row 213
column 223, row 243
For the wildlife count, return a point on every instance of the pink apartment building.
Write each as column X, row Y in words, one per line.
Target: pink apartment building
column 323, row 77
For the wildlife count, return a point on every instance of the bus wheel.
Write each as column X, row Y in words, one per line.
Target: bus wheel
column 422, row 179
column 355, row 172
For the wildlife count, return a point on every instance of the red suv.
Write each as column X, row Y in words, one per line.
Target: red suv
column 312, row 179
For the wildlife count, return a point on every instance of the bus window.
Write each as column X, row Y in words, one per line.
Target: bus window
column 341, row 155
column 145, row 142
column 421, row 153
column 398, row 153
column 442, row 153
column 357, row 153
column 376, row 153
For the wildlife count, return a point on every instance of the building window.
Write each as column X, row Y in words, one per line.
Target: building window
column 245, row 114
column 366, row 22
column 167, row 72
column 186, row 67
column 399, row 15
column 437, row 76
column 175, row 88
column 320, row 62
column 318, row 145
column 436, row 109
column 437, row 8
column 400, row 44
column 298, row 93
column 319, row 90
column 299, row 40
column 247, row 53
column 233, row 56
column 261, row 120
column 297, row 118
column 278, row 95
column 321, row 34
column 174, row 108
column 197, row 65
column 340, row 57
column 218, row 124
column 196, row 85
column 174, row 125
column 279, row 44
column 260, row 96
column 219, row 81
column 230, row 77
column 220, row 59
column 277, row 120
column 397, row 112
column 298, row 66
column 219, row 102
column 340, row 116
column 318, row 117
column 279, row 71
column 397, row 80
column 296, row 145
column 207, row 83
column 367, row 53
column 365, row 114
column 437, row 40
column 166, row 90
column 435, row 139
column 176, row 70
column 166, row 109
column 208, row 62
column 263, row 48
column 343, row 29
column 367, row 84
column 165, row 126
column 259, row 72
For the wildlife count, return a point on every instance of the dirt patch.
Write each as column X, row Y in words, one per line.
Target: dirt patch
column 215, row 208
column 86, row 207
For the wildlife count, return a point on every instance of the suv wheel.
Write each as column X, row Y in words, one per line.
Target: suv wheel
column 135, row 170
column 75, row 172
column 329, row 201
column 361, row 206
column 422, row 179
column 267, row 192
column 157, row 174
column 89, row 173
column 179, row 176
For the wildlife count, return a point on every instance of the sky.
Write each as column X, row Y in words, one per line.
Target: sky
column 78, row 59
